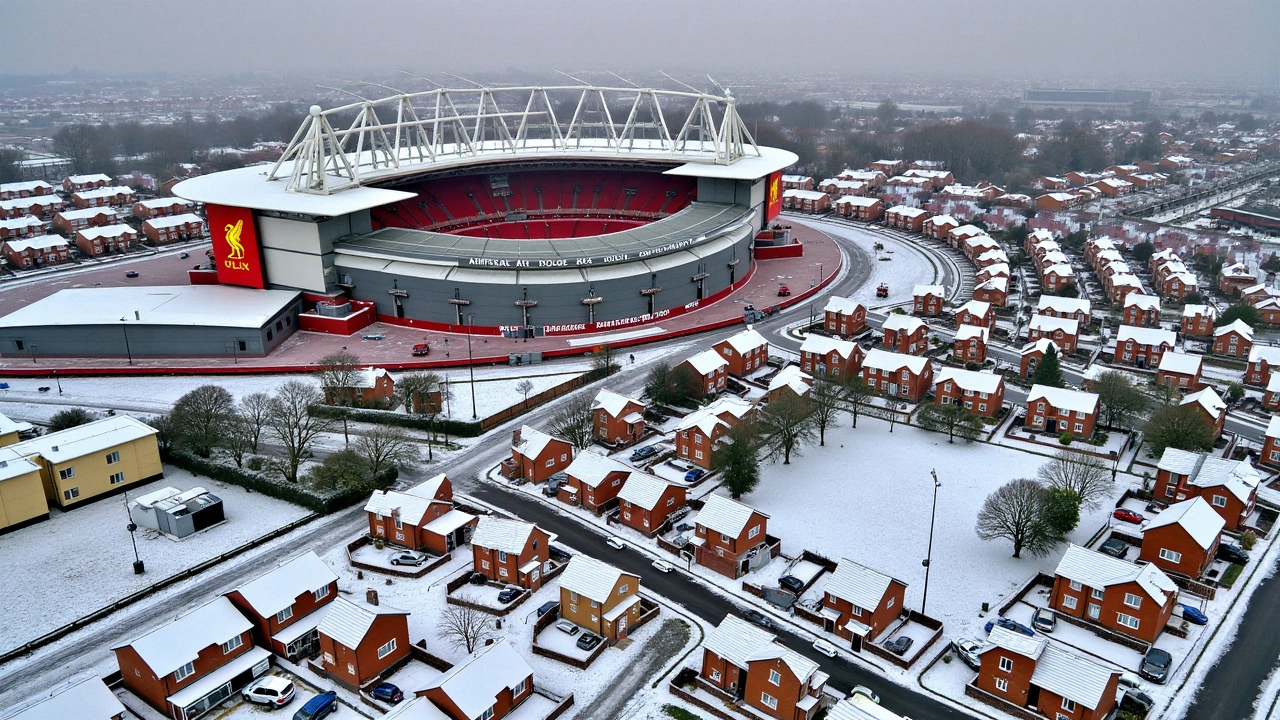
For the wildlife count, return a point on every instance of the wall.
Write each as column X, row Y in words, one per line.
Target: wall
column 22, row 500
column 139, row 461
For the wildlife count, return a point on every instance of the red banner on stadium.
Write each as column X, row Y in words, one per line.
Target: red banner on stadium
column 235, row 246
column 773, row 191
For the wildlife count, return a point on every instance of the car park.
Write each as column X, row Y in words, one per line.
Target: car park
column 270, row 690
column 1044, row 620
column 1127, row 515
column 642, row 453
column 508, row 595
column 866, row 692
column 758, row 618
column 615, row 542
column 1115, row 547
column 320, row 706
column 1193, row 615
column 588, row 641
column 824, row 647
column 1008, row 624
column 663, row 566
column 1232, row 554
column 792, row 583
column 967, row 651
column 409, row 557
column 1155, row 666
column 567, row 627
column 547, row 607
column 899, row 645
column 387, row 693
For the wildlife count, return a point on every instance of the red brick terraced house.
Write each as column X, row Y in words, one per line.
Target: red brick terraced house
column 711, row 370
column 489, row 685
column 1271, row 444
column 991, row 257
column 749, row 665
column 30, row 188
column 187, row 666
column 1269, row 311
column 159, row 207
column 1059, row 410
column 1198, row 320
column 617, row 419
column 1183, row 538
column 939, row 227
column 1141, row 310
column 730, row 537
column 1263, row 361
column 536, row 456
column 981, row 393
column 73, row 221
column 867, row 209
column 645, row 502
column 905, row 218
column 959, row 234
column 98, row 241
column 1031, row 355
column 1211, row 408
column 1229, row 486
column 790, row 379
column 1033, row 672
column 907, row 377
column 1049, row 182
column 998, row 270
column 1042, row 248
column 174, row 228
column 111, row 196
column 928, row 299
column 1118, row 287
column 1057, row 277
column 287, row 604
column 976, row 312
column 1093, row 246
column 974, row 247
column 833, row 357
column 1057, row 257
column 888, row 167
column 906, row 334
column 844, row 316
column 36, row 251
column 797, row 182
column 809, row 201
column 510, row 551
column 1180, row 370
column 1271, row 397
column 1142, row 347
column 1057, row 201
column 1036, row 237
column 594, row 481
column 363, row 387
column 20, row 227
column 420, row 518
column 1064, row 332
column 994, row 290
column 1179, row 285
column 1078, row 309
column 746, row 352
column 970, row 344
column 1234, row 278
column 1233, row 340
column 79, row 183
column 698, row 435
column 859, row 603
column 1255, row 294
column 43, row 206
column 1135, row 600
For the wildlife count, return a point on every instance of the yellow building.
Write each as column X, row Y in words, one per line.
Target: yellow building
column 104, row 456
column 22, row 500
column 599, row 597
column 9, row 430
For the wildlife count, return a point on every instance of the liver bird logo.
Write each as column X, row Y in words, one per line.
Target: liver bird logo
column 773, row 191
column 233, row 240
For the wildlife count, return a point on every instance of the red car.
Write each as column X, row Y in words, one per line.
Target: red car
column 784, row 291
column 1128, row 516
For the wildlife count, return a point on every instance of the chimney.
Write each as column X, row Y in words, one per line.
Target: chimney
column 371, row 596
column 515, row 437
column 137, row 315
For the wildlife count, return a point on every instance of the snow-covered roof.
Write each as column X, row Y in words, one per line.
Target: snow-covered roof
column 1107, row 257
column 1203, row 470
column 643, row 490
column 591, row 468
column 36, row 242
column 87, row 213
column 1206, row 399
column 725, row 516
column 1236, row 326
column 995, row 283
column 708, row 418
column 1049, row 323
column 532, row 442
column 884, row 360
column 590, row 578
column 367, row 377
column 474, row 685
column 416, row 708
column 1196, row 517
column 920, row 290
column 25, row 186
column 978, row 242
column 1060, row 196
column 823, row 345
column 180, row 641
column 1064, row 398
column 185, row 305
column 163, row 202
column 1125, row 280
column 1180, row 362
column 64, row 445
column 1041, row 346
column 1143, row 302
column 103, row 192
column 1146, row 335
column 801, row 666
column 799, row 381
column 1042, row 234
column 855, row 200
column 88, row 699
column 736, row 640
column 858, row 584
column 707, row 362
column 384, row 503
column 91, row 178
column 29, row 202
column 1060, row 269
column 1268, row 353
column 972, row 380
column 348, row 622
column 975, row 307
column 1031, row 646
column 907, row 211
column 943, row 220
column 967, row 231
column 169, row 221
column 430, row 487
column 1000, row 268
column 277, row 589
column 613, row 403
column 107, row 231
column 1071, row 676
column 1190, row 311
column 859, row 707
column 804, row 194
column 1095, row 570
column 903, row 323
column 842, row 305
column 501, row 534
column 993, row 257
column 18, row 223
column 795, row 178
column 969, row 332
column 746, row 341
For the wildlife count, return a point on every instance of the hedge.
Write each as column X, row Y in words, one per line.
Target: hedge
column 386, row 417
column 296, row 494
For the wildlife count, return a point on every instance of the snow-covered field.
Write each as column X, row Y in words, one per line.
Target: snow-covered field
column 78, row 561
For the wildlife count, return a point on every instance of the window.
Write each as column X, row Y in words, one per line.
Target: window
column 1006, row 664
column 715, row 674
column 484, row 564
column 856, row 611
column 71, row 493
column 1219, row 500
column 1171, row 556
column 1068, row 602
column 725, row 539
column 623, row 588
column 775, row 677
column 1132, row 600
column 1079, row 427
column 231, row 645
column 769, row 701
column 1169, row 490
column 284, row 614
column 754, row 531
column 113, row 458
column 697, row 454
column 387, row 649
column 1068, row 705
column 117, row 478
column 502, row 556
column 1094, row 611
column 517, row 690
column 1097, row 594
column 1002, row 685
column 1128, row 621
column 66, row 473
column 184, row 672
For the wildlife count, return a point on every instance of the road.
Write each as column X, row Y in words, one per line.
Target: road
column 1230, row 688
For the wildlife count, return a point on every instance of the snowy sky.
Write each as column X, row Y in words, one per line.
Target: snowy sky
column 1174, row 40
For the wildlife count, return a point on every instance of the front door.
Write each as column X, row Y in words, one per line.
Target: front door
column 893, row 388
column 622, row 626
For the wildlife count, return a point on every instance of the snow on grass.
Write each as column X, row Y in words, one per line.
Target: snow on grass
column 902, row 271
column 83, row 558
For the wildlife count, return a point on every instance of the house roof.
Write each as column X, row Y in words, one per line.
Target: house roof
column 1237, row 326
column 1207, row 399
column 858, row 584
column 725, row 516
column 384, row 503
column 707, row 362
column 943, row 220
column 348, row 622
column 1125, row 280
column 1071, row 676
column 746, row 341
column 64, row 445
column 1000, row 284
column 1064, row 398
column 429, row 488
column 1195, row 516
column 1146, row 335
column 994, row 256
column 502, row 534
column 643, row 490
column 908, row 211
column 1031, row 646
column 1143, row 302
column 853, row 199
column 975, row 307
column 981, row 241
column 1096, row 570
column 532, row 442
column 804, row 194
column 1203, row 470
column 1180, row 362
column 1040, row 346
column 168, row 221
column 416, row 708
column 736, row 640
column 612, row 403
column 859, row 707
column 1273, row 427
column 88, row 699
column 968, row 332
column 1061, row 270
column 920, row 290
column 823, row 345
column 995, row 269
column 903, row 323
column 972, row 380
column 967, row 231
column 884, row 360
column 91, row 178
column 591, row 468
column 591, row 578
column 708, row 418
column 107, row 231
column 1190, row 311
column 1049, row 323
column 799, row 381
column 180, row 641
column 474, row 684
column 801, row 666
column 277, row 589
column 1042, row 233
column 84, row 213
column 1064, row 304
column 1268, row 353
column 842, row 305
column 39, row 242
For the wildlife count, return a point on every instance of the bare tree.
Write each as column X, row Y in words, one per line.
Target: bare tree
column 575, row 421
column 892, row 410
column 1016, row 511
column 952, row 419
column 293, row 424
column 464, row 627
column 200, row 418
column 237, row 437
column 524, row 387
column 826, row 402
column 384, row 447
column 414, row 391
column 1085, row 475
column 255, row 408
column 857, row 394
column 785, row 425
column 338, row 372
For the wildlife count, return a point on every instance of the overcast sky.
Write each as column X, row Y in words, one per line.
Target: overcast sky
column 1115, row 41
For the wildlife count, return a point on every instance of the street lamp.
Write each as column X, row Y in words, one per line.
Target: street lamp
column 929, row 553
column 132, row 527
column 57, row 380
column 124, row 328
column 471, row 367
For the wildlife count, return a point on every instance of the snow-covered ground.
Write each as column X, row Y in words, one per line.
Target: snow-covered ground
column 81, row 560
column 899, row 266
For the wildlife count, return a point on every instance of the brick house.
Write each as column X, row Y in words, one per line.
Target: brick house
column 1269, row 311
column 1210, row 406
column 991, row 257
column 1179, row 370
column 994, row 290
column 645, row 502
column 1234, row 278
column 36, row 251
column 957, row 236
column 87, row 699
column 1034, row 673
column 1119, row 286
column 790, row 379
column 599, row 597
column 364, row 387
column 1049, row 182
column 1094, row 246
column 617, row 419
column 72, row 221
column 905, row 218
column 189, row 665
column 1057, row 201
column 1229, row 486
column 420, row 518
column 1271, row 397
column 711, row 370
column 1233, row 340
column 820, row 355
column 490, row 684
column 1255, row 294
column 78, row 183
column 360, row 641
column 97, row 241
column 908, row 377
column 1271, row 443
column 746, row 352
column 939, row 227
column 110, row 196
column 1031, row 355
column 1142, row 347
column 536, row 456
column 30, row 188
column 905, row 334
column 1263, row 360
column 888, row 167
column 1057, row 277
column 867, row 209
column 594, row 481
column 173, row 228
column 729, row 536
column 749, row 665
column 970, row 344
column 981, row 393
column 1113, row 187
column 286, row 605
column 1064, row 332
column 510, row 551
column 1198, row 320
column 809, row 201
column 1179, row 285
column 1078, row 309
column 976, row 312
column 1037, row 237
column 160, row 207
column 976, row 246
column 928, row 299
column 1141, row 310
column 41, row 206
column 1183, row 538
column 1134, row 600
column 859, row 603
column 844, row 316
column 20, row 227
column 1059, row 410
column 698, row 435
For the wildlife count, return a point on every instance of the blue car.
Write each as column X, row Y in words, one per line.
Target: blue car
column 320, row 706
column 694, row 475
column 388, row 693
column 1194, row 616
column 1008, row 624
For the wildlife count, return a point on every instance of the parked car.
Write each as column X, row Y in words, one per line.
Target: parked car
column 824, row 647
column 1155, row 666
column 559, row 554
column 409, row 557
column 694, row 475
column 792, row 583
column 641, row 453
column 967, row 651
column 866, row 692
column 615, row 542
column 131, row 274
column 184, row 256
column 588, row 641
column 388, row 693
column 1136, row 702
column 270, row 690
column 547, row 607
column 1044, row 620
column 1233, row 554
column 421, row 350
column 375, row 336
column 1008, row 624
column 1129, row 680
column 784, row 291
column 1193, row 615
column 663, row 566
column 508, row 595
column 477, row 579
column 1127, row 515
column 322, row 705
column 758, row 618
column 899, row 645
column 567, row 628
column 1115, row 547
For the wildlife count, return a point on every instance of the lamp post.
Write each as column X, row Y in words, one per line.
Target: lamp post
column 124, row 328
column 59, row 381
column 471, row 367
column 132, row 527
column 924, row 601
